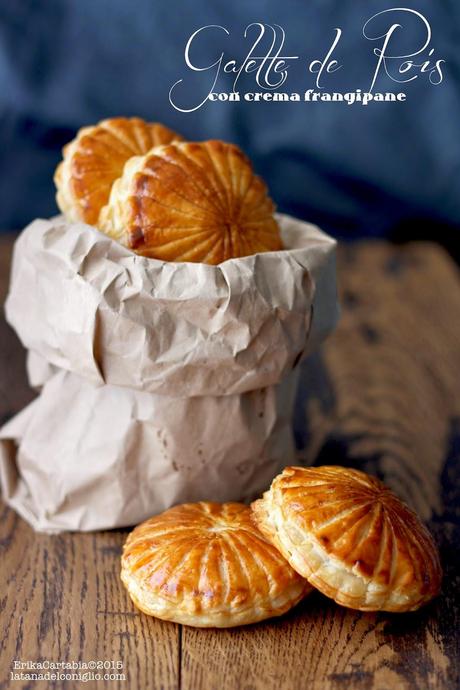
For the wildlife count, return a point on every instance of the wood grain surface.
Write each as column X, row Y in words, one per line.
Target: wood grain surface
column 382, row 395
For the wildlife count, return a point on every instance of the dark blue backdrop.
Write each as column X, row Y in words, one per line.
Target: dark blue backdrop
column 355, row 170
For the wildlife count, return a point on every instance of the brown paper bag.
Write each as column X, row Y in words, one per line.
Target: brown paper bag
column 161, row 382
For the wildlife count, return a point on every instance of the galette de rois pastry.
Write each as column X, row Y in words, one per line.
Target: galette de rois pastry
column 351, row 537
column 207, row 565
column 190, row 201
column 95, row 159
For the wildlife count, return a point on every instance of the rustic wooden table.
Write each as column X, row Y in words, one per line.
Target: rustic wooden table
column 383, row 395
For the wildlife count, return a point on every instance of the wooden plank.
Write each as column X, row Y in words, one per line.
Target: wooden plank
column 381, row 396
column 319, row 646
column 64, row 602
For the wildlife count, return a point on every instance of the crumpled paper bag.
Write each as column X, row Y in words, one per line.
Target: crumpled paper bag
column 161, row 382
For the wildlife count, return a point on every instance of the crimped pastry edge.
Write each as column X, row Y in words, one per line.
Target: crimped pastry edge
column 112, row 216
column 269, row 518
column 155, row 605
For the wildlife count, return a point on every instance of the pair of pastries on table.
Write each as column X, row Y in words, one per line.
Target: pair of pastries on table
column 163, row 197
column 330, row 528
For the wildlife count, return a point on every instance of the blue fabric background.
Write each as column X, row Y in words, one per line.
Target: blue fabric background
column 355, row 170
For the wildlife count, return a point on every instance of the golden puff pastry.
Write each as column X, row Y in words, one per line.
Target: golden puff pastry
column 351, row 537
column 198, row 202
column 95, row 159
column 207, row 565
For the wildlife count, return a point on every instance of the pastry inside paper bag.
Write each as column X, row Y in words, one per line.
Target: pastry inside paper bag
column 188, row 201
column 351, row 537
column 207, row 565
column 95, row 159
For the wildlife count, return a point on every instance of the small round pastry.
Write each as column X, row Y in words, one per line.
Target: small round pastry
column 197, row 202
column 207, row 565
column 351, row 537
column 96, row 157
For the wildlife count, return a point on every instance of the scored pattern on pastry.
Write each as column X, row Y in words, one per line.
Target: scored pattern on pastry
column 196, row 202
column 95, row 159
column 351, row 537
column 207, row 565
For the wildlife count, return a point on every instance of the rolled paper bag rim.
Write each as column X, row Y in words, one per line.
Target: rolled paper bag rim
column 86, row 304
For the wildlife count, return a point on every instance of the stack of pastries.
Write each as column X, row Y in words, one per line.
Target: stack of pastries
column 333, row 529
column 163, row 197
